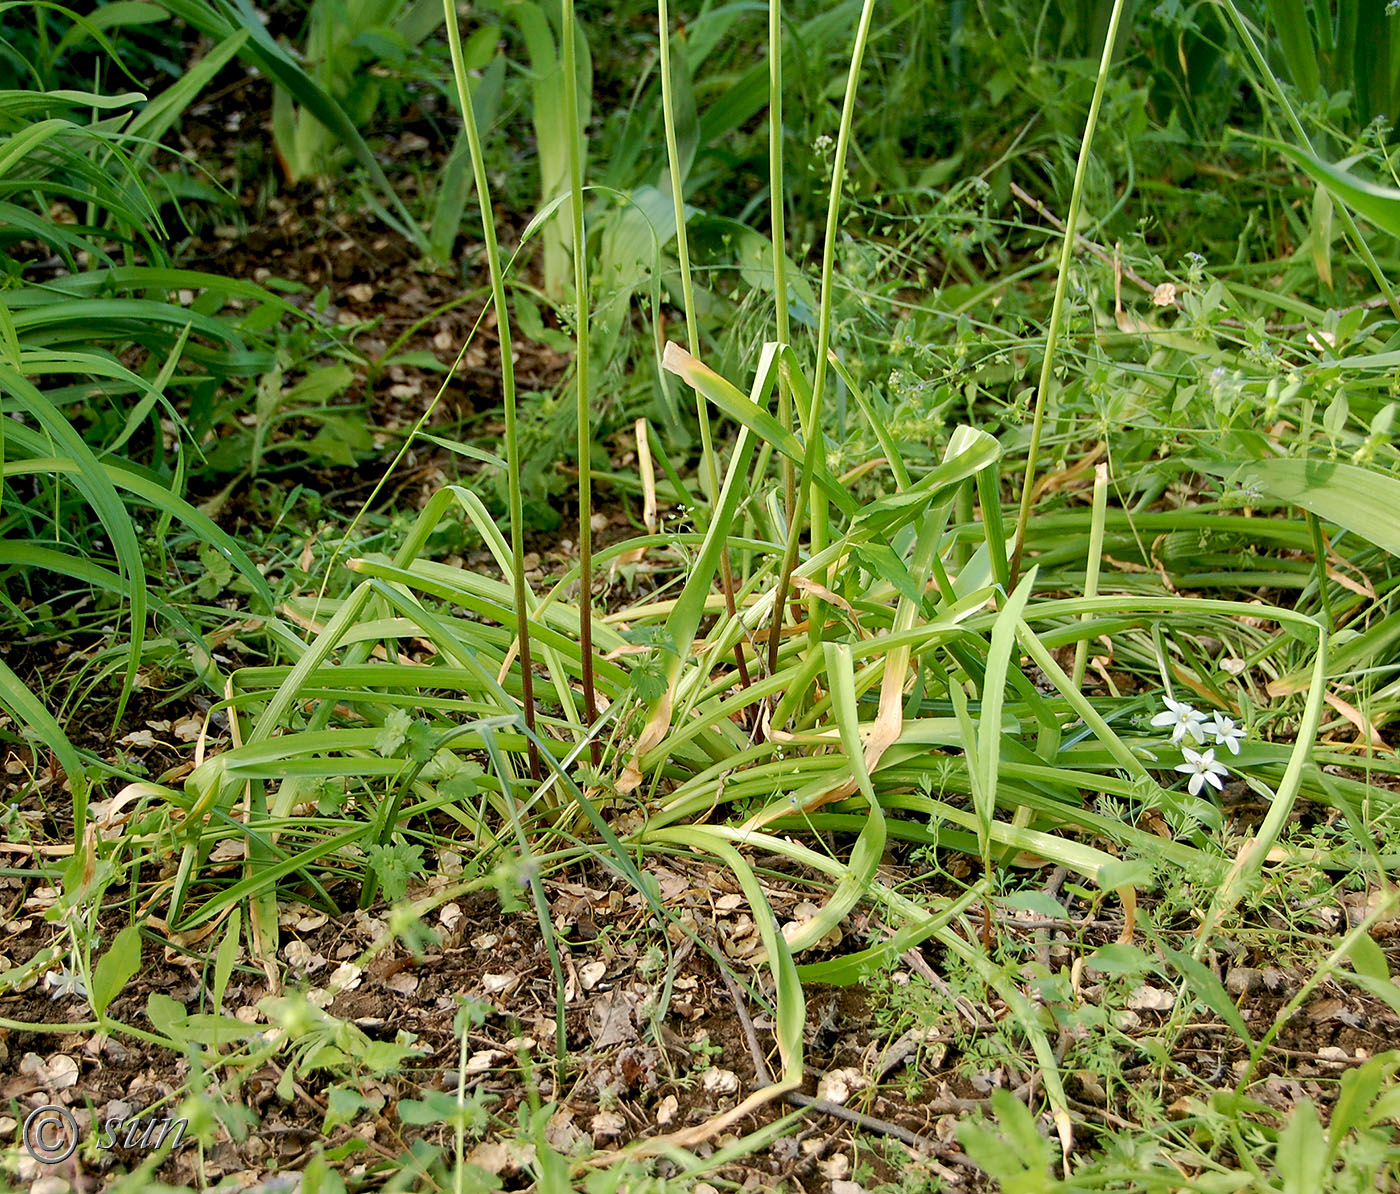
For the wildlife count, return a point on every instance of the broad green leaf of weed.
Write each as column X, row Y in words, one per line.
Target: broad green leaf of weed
column 1380, row 205
column 319, row 1178
column 1369, row 959
column 1126, row 872
column 215, row 572
column 394, row 733
column 420, row 740
column 462, row 784
column 395, row 865
column 469, row 1178
column 1014, row 1153
column 338, row 439
column 344, row 1103
column 382, row 1058
column 532, row 326
column 1302, row 1154
column 551, row 1170
column 1038, row 903
column 167, row 1016
column 1122, row 959
column 1358, row 1091
column 1205, row 986
column 117, row 967
column 441, row 1107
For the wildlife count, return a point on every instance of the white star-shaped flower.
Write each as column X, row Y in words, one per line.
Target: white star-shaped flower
column 1203, row 769
column 1183, row 720
column 63, row 982
column 1226, row 732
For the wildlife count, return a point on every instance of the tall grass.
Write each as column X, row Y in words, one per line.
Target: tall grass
column 583, row 381
column 69, row 348
column 1052, row 332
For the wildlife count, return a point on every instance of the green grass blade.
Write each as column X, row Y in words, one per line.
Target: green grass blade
column 987, row 756
column 21, row 703
column 96, row 486
column 1296, row 40
column 1052, row 333
column 1378, row 204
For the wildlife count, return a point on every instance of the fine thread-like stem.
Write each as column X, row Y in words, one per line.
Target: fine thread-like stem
column 1052, row 333
column 707, row 448
column 581, row 355
column 777, row 220
column 514, row 501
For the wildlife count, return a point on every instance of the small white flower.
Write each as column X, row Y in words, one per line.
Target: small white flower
column 1226, row 732
column 1183, row 720
column 63, row 982
column 1203, row 769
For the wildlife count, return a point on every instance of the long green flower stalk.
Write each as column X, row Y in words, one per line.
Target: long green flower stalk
column 777, row 220
column 498, row 296
column 707, row 447
column 1052, row 333
column 581, row 381
column 809, row 490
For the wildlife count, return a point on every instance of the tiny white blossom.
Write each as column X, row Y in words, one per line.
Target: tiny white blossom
column 63, row 982
column 1226, row 732
column 1203, row 769
column 1183, row 720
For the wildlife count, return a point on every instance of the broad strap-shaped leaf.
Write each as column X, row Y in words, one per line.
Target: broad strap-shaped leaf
column 747, row 411
column 969, row 452
column 870, row 845
column 1362, row 501
column 1380, row 205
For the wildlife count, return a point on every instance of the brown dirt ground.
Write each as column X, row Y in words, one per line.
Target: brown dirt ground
column 639, row 1059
